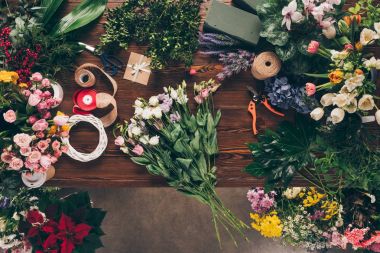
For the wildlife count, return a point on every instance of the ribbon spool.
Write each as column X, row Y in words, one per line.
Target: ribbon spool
column 57, row 92
column 266, row 65
column 87, row 100
column 37, row 179
column 103, row 139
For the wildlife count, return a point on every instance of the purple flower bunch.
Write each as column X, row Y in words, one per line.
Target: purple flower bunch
column 215, row 43
column 166, row 102
column 234, row 63
column 4, row 202
column 261, row 202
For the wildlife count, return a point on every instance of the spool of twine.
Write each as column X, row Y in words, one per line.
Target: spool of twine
column 266, row 65
column 84, row 78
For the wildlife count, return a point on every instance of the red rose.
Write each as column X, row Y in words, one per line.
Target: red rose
column 35, row 217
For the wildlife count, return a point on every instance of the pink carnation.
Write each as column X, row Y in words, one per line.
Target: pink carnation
column 10, row 116
column 34, row 99
column 34, row 157
column 16, row 164
column 57, row 153
column 37, row 77
column 40, row 125
column 40, row 135
column 22, row 140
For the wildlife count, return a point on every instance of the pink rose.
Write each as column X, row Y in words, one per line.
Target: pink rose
column 45, row 82
column 64, row 149
column 10, row 116
column 310, row 89
column 25, row 151
column 40, row 135
column 52, row 102
column 31, row 166
column 34, row 99
column 313, row 47
column 119, row 141
column 45, row 161
column 138, row 150
column 32, row 119
column 46, row 94
column 38, row 92
column 37, row 77
column 46, row 115
column 42, row 145
column 6, row 157
column 40, row 125
column 198, row 99
column 34, row 156
column 204, row 93
column 16, row 164
column 56, row 145
column 26, row 93
column 22, row 140
column 57, row 153
column 60, row 120
column 42, row 106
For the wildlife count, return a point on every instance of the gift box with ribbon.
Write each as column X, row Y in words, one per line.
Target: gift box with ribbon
column 138, row 69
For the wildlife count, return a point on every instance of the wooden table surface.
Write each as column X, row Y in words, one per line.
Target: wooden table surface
column 115, row 169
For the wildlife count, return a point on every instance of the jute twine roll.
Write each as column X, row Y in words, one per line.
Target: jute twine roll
column 266, row 65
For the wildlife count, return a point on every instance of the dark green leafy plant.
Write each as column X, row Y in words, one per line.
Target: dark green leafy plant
column 370, row 8
column 168, row 28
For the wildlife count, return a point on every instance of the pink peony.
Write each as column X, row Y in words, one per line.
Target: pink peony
column 34, row 99
column 313, row 47
column 22, row 140
column 60, row 120
column 32, row 119
column 10, row 116
column 119, row 141
column 40, row 125
column 56, row 145
column 38, row 92
column 42, row 145
column 37, row 77
column 204, row 93
column 45, row 161
column 138, row 150
column 45, row 82
column 16, row 164
column 34, row 156
column 6, row 157
column 25, row 151
column 310, row 89
column 46, row 94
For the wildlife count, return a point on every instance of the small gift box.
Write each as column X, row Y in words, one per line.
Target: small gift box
column 138, row 69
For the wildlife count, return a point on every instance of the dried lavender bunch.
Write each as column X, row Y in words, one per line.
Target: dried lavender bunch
column 234, row 63
column 215, row 43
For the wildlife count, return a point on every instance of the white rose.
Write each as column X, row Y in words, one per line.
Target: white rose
column 341, row 100
column 317, row 114
column 377, row 27
column 327, row 99
column 329, row 32
column 157, row 112
column 147, row 113
column 367, row 36
column 153, row 101
column 366, row 103
column 337, row 115
column 136, row 131
column 154, row 140
column 138, row 103
column 377, row 116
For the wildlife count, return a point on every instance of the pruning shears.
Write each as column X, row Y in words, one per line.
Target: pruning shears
column 111, row 64
column 262, row 99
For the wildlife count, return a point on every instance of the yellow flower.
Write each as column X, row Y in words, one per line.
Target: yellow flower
column 65, row 128
column 23, row 85
column 312, row 197
column 330, row 209
column 8, row 76
column 52, row 130
column 268, row 225
column 359, row 46
column 59, row 113
column 336, row 76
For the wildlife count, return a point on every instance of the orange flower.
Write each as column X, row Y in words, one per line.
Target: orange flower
column 65, row 128
column 357, row 18
column 336, row 76
column 23, row 85
column 359, row 46
column 52, row 130
column 347, row 19
column 359, row 72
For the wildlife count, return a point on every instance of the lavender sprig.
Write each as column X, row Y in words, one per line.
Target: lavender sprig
column 215, row 43
column 234, row 63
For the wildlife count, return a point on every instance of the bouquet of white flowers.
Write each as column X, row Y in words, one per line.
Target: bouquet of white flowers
column 171, row 142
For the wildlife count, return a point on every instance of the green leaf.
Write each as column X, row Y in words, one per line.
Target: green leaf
column 185, row 162
column 178, row 146
column 287, row 52
column 273, row 32
column 210, row 124
column 83, row 14
column 217, row 118
column 317, row 75
column 202, row 164
column 140, row 160
column 194, row 143
column 50, row 8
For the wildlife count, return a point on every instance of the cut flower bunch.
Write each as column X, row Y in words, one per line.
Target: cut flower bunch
column 180, row 146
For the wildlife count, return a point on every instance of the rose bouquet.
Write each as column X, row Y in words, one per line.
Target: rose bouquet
column 352, row 76
column 40, row 221
column 180, row 146
column 30, row 137
column 312, row 219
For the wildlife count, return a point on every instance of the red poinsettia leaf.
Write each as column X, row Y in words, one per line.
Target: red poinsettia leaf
column 67, row 246
column 81, row 231
column 65, row 223
column 50, row 242
column 50, row 227
column 33, row 231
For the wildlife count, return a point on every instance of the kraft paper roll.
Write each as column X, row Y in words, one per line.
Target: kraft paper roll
column 85, row 78
column 266, row 65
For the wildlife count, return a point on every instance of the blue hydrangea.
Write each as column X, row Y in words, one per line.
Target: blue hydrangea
column 283, row 95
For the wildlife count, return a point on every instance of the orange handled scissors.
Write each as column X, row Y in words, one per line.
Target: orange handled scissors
column 257, row 98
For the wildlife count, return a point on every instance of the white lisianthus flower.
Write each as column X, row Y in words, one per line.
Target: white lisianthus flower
column 144, row 139
column 377, row 116
column 317, row 114
column 329, row 32
column 136, row 131
column 154, row 140
column 366, row 103
column 138, row 103
column 157, row 112
column 139, row 111
column 327, row 99
column 341, row 100
column 153, row 101
column 367, row 36
column 147, row 113
column 377, row 27
column 337, row 115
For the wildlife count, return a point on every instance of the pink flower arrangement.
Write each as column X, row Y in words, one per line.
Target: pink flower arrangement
column 261, row 202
